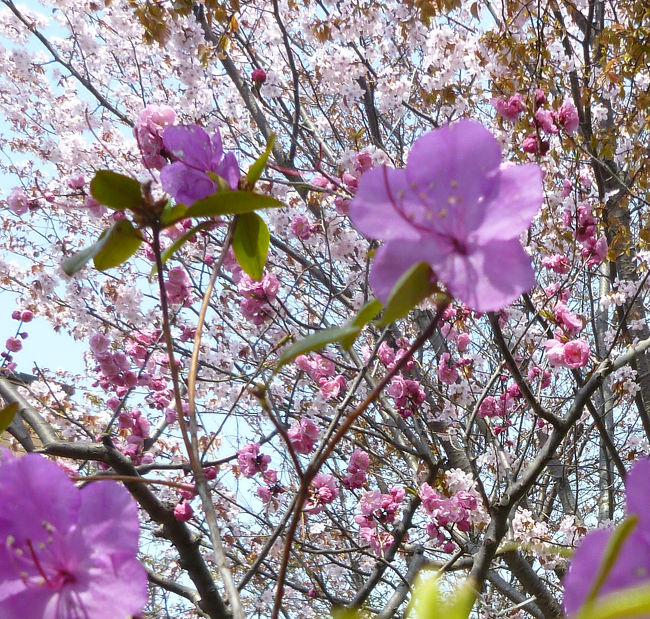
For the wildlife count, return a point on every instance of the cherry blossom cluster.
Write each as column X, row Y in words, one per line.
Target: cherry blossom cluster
column 583, row 224
column 322, row 370
column 407, row 394
column 356, row 476
column 15, row 344
column 547, row 120
column 376, row 510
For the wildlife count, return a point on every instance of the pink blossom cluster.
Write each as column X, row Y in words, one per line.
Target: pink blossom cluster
column 178, row 287
column 152, row 121
column 257, row 297
column 408, row 395
column 558, row 263
column 548, row 120
column 362, row 163
column 503, row 405
column 322, row 491
column 390, row 356
column 19, row 202
column 357, row 470
column 447, row 372
column 376, row 510
column 272, row 489
column 302, row 228
column 14, row 344
column 115, row 368
column 444, row 511
column 321, row 370
column 594, row 250
column 250, row 461
column 571, row 354
column 136, row 428
column 303, row 435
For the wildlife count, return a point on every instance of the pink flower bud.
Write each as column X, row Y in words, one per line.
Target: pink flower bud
column 258, row 76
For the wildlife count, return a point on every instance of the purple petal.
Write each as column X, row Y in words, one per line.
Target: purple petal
column 489, row 277
column 34, row 489
column 229, row 169
column 32, row 602
column 514, row 207
column 452, row 172
column 374, row 211
column 393, row 259
column 190, row 144
column 185, row 184
column 637, row 492
column 102, row 533
column 217, row 149
column 115, row 590
column 632, row 567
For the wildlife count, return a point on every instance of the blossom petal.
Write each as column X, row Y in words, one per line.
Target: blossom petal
column 637, row 492
column 191, row 144
column 632, row 567
column 185, row 184
column 34, row 489
column 394, row 258
column 514, row 207
column 451, row 172
column 374, row 210
column 489, row 277
column 105, row 534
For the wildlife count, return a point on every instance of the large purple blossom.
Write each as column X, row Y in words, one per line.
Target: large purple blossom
column 632, row 566
column 66, row 553
column 197, row 156
column 456, row 207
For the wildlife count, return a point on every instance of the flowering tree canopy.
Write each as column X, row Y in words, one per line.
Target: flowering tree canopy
column 303, row 299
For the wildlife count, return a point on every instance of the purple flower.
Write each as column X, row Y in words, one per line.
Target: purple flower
column 66, row 553
column 197, row 155
column 457, row 208
column 632, row 566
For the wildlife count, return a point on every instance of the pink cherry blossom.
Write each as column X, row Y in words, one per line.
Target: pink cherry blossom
column 567, row 117
column 546, row 121
column 251, row 461
column 510, row 109
column 303, row 435
column 322, row 491
column 18, row 202
column 576, row 353
column 183, row 511
column 446, row 373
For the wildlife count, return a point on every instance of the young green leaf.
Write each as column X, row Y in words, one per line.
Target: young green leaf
column 365, row 315
column 172, row 214
column 414, row 286
column 230, row 203
column 116, row 191
column 250, row 242
column 121, row 242
column 428, row 601
column 77, row 261
column 316, row 341
column 623, row 604
column 7, row 415
column 255, row 171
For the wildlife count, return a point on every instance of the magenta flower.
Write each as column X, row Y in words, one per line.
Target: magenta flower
column 322, row 491
column 632, row 566
column 457, row 208
column 66, row 553
column 510, row 109
column 197, row 155
column 303, row 435
column 567, row 117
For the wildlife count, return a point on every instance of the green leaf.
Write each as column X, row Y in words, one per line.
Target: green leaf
column 7, row 415
column 230, row 203
column 250, row 242
column 77, row 261
column 623, row 604
column 255, row 171
column 121, row 241
column 428, row 602
column 172, row 214
column 612, row 550
column 316, row 341
column 365, row 315
column 116, row 190
column 178, row 243
column 414, row 286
